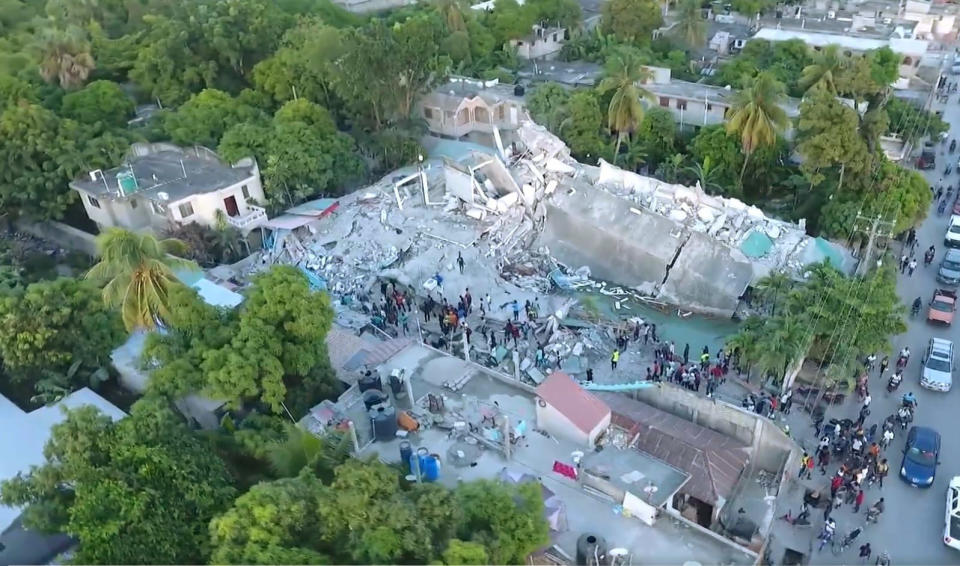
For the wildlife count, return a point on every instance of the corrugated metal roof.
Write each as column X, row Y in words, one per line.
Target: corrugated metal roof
column 713, row 460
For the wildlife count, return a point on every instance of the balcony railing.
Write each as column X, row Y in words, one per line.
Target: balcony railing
column 250, row 220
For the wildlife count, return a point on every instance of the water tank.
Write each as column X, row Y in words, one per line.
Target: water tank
column 418, row 461
column 591, row 550
column 431, row 468
column 384, row 423
column 406, row 451
column 396, row 385
column 373, row 397
column 369, row 381
column 127, row 182
column 518, row 90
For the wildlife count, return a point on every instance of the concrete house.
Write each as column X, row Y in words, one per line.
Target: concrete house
column 542, row 43
column 566, row 410
column 161, row 184
column 464, row 106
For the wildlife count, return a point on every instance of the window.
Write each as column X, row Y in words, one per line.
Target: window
column 428, row 113
column 665, row 102
column 681, row 105
column 709, row 107
column 93, row 202
column 245, row 191
column 186, row 210
column 554, row 38
column 133, row 203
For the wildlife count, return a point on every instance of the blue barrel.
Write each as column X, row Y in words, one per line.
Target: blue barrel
column 406, row 452
column 431, row 468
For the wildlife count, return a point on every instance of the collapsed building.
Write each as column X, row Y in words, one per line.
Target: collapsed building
column 518, row 212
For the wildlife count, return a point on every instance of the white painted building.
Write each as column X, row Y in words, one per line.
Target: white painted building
column 162, row 184
column 541, row 43
column 567, row 411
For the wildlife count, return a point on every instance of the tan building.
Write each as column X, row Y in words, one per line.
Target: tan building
column 463, row 106
column 567, row 411
column 162, row 185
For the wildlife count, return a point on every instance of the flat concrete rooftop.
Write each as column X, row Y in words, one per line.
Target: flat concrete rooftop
column 484, row 395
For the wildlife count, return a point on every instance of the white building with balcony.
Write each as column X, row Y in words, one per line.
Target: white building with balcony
column 162, row 185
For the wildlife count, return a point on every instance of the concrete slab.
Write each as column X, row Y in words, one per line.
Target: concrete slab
column 707, row 276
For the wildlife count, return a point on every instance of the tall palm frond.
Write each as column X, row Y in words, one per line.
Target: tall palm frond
column 706, row 174
column 690, row 26
column 624, row 73
column 826, row 68
column 64, row 57
column 756, row 115
column 136, row 271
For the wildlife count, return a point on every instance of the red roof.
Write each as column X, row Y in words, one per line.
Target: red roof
column 572, row 401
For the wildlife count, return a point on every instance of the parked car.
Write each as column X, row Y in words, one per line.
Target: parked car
column 928, row 157
column 921, row 456
column 942, row 306
column 952, row 237
column 951, row 531
column 936, row 373
column 949, row 272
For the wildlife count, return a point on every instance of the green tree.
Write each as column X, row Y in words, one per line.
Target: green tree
column 303, row 66
column 13, row 91
column 54, row 324
column 657, row 134
column 547, row 104
column 706, row 175
column 722, row 148
column 690, row 26
column 751, row 8
column 912, row 123
column 631, row 20
column 756, row 115
column 304, row 449
column 623, row 70
column 204, row 118
column 141, row 489
column 64, row 57
column 277, row 343
column 507, row 520
column 829, row 136
column 40, row 155
column 101, row 102
column 581, row 129
column 460, row 552
column 136, row 271
column 826, row 69
column 273, row 523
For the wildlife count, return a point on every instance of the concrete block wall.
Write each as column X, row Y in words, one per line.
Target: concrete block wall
column 59, row 233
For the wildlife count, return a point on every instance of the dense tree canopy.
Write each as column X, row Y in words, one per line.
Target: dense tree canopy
column 99, row 102
column 631, row 20
column 141, row 490
column 54, row 324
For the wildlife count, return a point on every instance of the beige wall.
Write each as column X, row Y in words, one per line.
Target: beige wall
column 473, row 115
column 206, row 205
column 554, row 422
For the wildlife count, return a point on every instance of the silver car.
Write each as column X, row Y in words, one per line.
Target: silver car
column 937, row 370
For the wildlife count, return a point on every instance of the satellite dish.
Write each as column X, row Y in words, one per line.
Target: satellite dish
column 163, row 195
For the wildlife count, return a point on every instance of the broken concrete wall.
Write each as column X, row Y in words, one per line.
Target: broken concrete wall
column 595, row 228
column 707, row 276
column 458, row 183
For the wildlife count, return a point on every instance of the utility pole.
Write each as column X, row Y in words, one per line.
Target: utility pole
column 879, row 228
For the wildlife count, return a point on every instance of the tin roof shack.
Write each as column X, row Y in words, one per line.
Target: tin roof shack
column 473, row 423
column 566, row 410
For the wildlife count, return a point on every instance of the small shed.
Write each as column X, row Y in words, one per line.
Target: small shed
column 566, row 410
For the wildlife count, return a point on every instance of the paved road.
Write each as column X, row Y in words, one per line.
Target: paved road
column 912, row 525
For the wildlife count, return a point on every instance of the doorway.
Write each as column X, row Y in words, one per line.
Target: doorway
column 230, row 203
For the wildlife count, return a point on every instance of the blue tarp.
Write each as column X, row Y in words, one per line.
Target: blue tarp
column 317, row 283
column 756, row 245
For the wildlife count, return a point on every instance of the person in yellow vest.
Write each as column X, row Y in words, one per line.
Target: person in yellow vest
column 614, row 358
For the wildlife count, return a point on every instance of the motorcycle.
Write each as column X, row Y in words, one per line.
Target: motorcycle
column 902, row 361
column 928, row 257
column 894, row 382
column 873, row 515
column 904, row 417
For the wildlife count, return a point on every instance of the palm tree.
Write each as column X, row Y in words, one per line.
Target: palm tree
column 624, row 70
column 706, row 174
column 64, row 57
column 826, row 68
column 756, row 115
column 669, row 169
column 635, row 155
column 773, row 289
column 302, row 448
column 137, row 273
column 784, row 344
column 452, row 14
column 690, row 25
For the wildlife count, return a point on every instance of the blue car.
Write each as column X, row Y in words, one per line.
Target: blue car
column 921, row 455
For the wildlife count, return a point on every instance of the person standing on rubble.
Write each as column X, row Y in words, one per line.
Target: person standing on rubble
column 516, row 310
column 614, row 358
column 686, row 353
column 468, row 299
column 460, row 262
column 439, row 279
